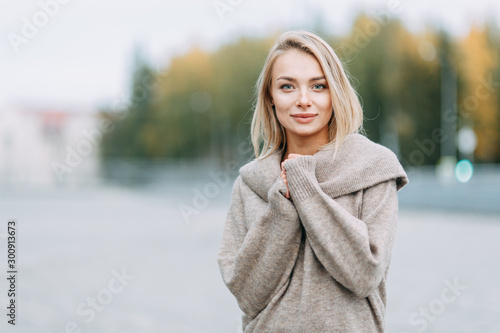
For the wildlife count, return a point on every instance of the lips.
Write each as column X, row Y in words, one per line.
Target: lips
column 304, row 115
column 304, row 118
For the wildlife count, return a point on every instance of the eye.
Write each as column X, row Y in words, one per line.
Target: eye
column 286, row 86
column 319, row 86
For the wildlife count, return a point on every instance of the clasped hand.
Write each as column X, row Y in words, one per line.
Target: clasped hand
column 283, row 172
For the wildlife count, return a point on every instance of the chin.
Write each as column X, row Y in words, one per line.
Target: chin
column 305, row 133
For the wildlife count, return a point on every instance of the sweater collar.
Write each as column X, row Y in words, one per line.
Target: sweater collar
column 359, row 164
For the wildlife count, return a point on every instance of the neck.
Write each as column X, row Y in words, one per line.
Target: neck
column 304, row 145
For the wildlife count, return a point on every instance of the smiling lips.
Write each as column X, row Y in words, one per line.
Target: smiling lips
column 304, row 118
column 304, row 115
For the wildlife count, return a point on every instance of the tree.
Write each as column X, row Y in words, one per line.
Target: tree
column 479, row 100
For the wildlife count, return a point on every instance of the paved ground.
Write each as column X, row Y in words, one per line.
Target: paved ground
column 480, row 194
column 121, row 260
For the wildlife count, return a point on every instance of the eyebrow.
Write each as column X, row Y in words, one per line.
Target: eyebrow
column 291, row 79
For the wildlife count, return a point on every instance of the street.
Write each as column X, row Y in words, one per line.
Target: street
column 117, row 259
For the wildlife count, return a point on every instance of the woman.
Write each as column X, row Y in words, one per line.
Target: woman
column 307, row 240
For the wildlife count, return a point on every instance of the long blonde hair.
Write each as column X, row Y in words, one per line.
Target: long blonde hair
column 347, row 115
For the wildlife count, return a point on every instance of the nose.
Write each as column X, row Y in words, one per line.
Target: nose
column 303, row 100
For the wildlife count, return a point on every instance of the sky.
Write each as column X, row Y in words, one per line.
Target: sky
column 75, row 54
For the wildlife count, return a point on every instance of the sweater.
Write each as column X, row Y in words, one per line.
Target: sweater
column 317, row 262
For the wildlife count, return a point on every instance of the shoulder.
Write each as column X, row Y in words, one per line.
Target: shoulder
column 259, row 174
column 237, row 184
column 248, row 173
column 257, row 166
column 367, row 149
column 368, row 163
column 240, row 187
column 248, row 168
column 357, row 152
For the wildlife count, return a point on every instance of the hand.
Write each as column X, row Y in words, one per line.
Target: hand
column 283, row 172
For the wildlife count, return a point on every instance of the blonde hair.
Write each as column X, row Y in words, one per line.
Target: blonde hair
column 347, row 114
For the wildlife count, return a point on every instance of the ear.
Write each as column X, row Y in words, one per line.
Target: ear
column 272, row 101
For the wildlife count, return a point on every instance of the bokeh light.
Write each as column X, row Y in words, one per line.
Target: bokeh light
column 464, row 171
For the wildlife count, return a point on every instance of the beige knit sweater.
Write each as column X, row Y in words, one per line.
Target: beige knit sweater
column 318, row 263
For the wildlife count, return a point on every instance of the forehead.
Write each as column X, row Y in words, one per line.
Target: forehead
column 297, row 64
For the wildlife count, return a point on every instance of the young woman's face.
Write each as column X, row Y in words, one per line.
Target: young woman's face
column 301, row 96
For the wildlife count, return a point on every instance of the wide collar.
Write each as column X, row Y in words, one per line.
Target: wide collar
column 359, row 164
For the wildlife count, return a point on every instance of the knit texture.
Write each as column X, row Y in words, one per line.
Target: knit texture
column 317, row 262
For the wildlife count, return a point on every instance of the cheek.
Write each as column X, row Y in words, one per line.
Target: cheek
column 325, row 118
column 325, row 102
column 283, row 101
column 325, row 106
column 281, row 115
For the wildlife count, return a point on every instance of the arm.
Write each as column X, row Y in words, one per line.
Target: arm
column 356, row 252
column 256, row 263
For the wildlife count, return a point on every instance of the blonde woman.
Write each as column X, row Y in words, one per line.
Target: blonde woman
column 308, row 237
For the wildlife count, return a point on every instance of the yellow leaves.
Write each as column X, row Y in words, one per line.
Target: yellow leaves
column 479, row 56
column 479, row 61
column 188, row 72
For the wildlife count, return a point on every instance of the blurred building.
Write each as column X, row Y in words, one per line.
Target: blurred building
column 48, row 146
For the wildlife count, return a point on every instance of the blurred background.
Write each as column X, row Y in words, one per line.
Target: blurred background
column 123, row 126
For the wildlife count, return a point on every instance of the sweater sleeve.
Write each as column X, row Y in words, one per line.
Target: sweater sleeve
column 356, row 252
column 256, row 263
